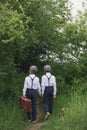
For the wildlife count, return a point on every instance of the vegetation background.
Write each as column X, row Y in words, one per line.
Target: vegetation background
column 43, row 32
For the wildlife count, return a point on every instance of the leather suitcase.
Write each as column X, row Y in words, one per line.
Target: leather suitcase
column 21, row 101
column 25, row 104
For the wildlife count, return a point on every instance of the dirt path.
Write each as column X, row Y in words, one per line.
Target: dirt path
column 34, row 126
column 39, row 123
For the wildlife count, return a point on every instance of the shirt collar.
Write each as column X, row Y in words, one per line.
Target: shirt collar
column 48, row 74
column 32, row 75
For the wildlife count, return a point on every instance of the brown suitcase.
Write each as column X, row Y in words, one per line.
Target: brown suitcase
column 25, row 104
column 21, row 101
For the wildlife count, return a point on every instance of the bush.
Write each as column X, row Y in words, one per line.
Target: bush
column 13, row 87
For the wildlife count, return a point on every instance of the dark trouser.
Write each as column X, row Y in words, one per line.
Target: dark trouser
column 31, row 94
column 48, row 99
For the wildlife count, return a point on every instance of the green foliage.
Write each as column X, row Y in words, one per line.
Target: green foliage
column 28, row 30
column 31, row 27
column 75, row 117
column 11, row 87
column 11, row 116
column 11, row 42
column 38, row 31
column 61, row 85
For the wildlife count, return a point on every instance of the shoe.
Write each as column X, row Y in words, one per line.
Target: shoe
column 34, row 121
column 47, row 116
column 29, row 120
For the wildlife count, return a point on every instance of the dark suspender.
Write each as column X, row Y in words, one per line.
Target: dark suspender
column 48, row 80
column 32, row 82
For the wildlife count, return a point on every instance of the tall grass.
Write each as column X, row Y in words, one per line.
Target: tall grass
column 74, row 116
column 11, row 117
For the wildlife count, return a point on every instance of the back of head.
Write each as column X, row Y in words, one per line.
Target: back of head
column 33, row 69
column 47, row 68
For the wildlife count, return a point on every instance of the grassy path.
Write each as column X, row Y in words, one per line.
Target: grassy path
column 39, row 123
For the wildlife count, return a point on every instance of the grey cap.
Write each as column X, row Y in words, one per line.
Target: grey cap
column 33, row 68
column 47, row 68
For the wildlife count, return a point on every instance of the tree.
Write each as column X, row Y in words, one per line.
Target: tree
column 11, row 41
column 48, row 19
column 28, row 30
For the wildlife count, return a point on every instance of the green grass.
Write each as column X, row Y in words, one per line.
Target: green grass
column 11, row 116
column 75, row 113
column 74, row 105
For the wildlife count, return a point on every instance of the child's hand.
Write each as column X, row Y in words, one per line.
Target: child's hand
column 24, row 96
column 40, row 94
column 54, row 96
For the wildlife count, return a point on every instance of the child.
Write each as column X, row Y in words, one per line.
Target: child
column 48, row 83
column 31, row 85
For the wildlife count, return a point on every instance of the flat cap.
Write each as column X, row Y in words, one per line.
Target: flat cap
column 33, row 68
column 47, row 68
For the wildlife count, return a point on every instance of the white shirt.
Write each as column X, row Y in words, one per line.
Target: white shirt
column 28, row 83
column 52, row 82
